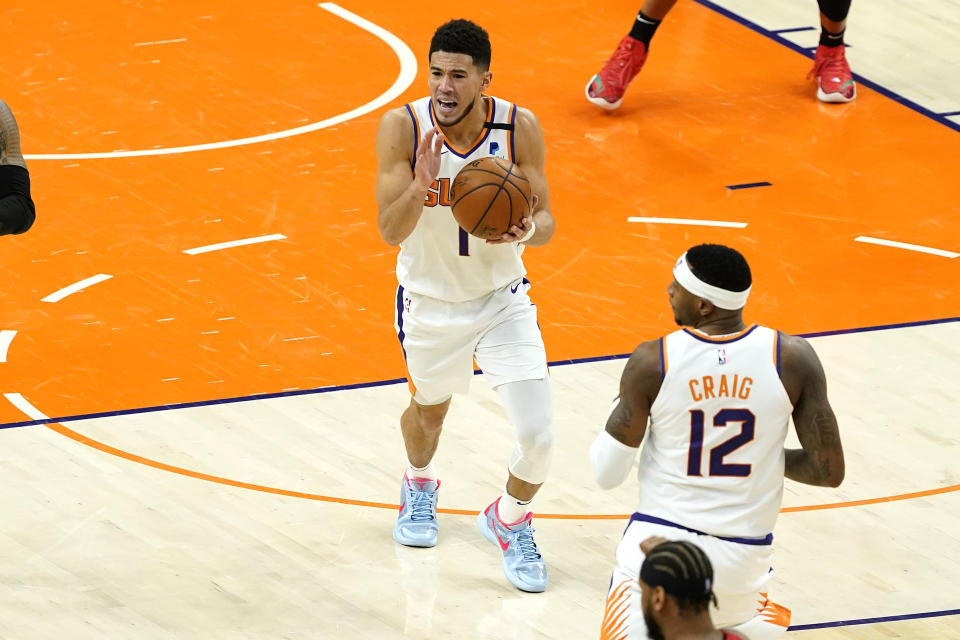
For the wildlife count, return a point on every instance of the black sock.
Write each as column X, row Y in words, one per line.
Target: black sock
column 835, row 10
column 643, row 28
column 828, row 39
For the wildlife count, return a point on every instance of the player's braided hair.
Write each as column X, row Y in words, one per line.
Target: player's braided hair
column 683, row 570
column 720, row 266
column 463, row 36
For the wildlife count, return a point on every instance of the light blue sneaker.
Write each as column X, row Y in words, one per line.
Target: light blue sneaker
column 522, row 563
column 417, row 523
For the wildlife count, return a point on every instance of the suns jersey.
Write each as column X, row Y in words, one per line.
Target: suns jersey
column 713, row 455
column 439, row 259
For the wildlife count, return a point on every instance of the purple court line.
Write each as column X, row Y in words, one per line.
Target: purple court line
column 383, row 383
column 802, row 50
column 946, row 114
column 748, row 185
column 794, row 29
column 847, row 623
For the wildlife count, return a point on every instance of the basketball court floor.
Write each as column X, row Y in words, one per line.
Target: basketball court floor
column 201, row 383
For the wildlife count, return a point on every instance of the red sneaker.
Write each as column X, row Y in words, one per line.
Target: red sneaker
column 606, row 88
column 834, row 80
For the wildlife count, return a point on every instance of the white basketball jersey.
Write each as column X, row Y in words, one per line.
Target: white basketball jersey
column 712, row 457
column 439, row 259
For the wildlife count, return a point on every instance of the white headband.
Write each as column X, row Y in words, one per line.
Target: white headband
column 719, row 297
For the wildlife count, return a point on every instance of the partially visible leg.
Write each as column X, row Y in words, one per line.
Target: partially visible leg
column 421, row 425
column 529, row 406
column 508, row 522
column 834, row 79
column 770, row 623
column 607, row 87
column 657, row 9
column 417, row 520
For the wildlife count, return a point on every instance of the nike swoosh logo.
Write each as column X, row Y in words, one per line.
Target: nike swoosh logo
column 514, row 289
column 503, row 545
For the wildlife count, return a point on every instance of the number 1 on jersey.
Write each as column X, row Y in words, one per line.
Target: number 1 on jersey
column 464, row 243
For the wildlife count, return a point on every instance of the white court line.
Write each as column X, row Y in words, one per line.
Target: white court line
column 147, row 44
column 21, row 403
column 699, row 223
column 6, row 337
column 905, row 245
column 234, row 243
column 408, row 73
column 57, row 296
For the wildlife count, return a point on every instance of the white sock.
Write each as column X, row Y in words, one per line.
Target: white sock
column 511, row 510
column 426, row 473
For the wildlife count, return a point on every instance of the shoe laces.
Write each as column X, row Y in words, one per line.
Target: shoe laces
column 831, row 64
column 526, row 545
column 622, row 56
column 421, row 507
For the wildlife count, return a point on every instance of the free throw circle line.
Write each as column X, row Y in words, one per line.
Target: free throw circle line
column 6, row 337
column 234, row 243
column 690, row 221
column 408, row 72
column 27, row 408
column 57, row 296
column 909, row 247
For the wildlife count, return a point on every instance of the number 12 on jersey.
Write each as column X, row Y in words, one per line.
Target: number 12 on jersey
column 717, row 466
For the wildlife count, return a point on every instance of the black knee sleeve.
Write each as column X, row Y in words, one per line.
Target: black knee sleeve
column 17, row 214
column 17, row 211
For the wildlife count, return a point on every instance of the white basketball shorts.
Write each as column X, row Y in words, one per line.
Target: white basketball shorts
column 741, row 574
column 441, row 340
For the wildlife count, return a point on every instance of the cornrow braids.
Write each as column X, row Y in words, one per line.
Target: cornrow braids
column 683, row 570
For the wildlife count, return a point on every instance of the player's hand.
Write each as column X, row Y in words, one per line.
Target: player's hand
column 427, row 163
column 516, row 232
column 647, row 545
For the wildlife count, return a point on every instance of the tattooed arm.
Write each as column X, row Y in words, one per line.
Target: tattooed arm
column 9, row 138
column 639, row 386
column 614, row 450
column 820, row 461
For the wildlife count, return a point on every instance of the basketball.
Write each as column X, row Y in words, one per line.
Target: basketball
column 489, row 196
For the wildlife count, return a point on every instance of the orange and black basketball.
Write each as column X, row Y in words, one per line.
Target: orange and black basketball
column 489, row 195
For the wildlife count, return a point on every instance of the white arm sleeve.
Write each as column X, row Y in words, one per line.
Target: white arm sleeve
column 611, row 460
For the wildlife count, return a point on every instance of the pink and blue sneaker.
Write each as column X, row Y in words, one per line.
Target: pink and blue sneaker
column 522, row 563
column 417, row 522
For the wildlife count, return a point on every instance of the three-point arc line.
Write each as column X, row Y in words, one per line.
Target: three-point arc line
column 27, row 408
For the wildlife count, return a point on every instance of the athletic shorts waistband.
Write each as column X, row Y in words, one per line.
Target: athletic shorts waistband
column 758, row 542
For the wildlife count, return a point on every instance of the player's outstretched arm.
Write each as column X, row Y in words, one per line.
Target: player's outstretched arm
column 531, row 158
column 820, row 461
column 400, row 191
column 612, row 453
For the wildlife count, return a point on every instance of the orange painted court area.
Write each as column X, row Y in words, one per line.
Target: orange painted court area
column 717, row 105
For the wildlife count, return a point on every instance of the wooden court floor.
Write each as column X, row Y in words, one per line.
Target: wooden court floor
column 155, row 133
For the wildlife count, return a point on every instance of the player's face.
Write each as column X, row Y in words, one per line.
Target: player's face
column 455, row 86
column 654, row 632
column 681, row 302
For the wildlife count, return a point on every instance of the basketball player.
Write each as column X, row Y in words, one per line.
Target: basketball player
column 718, row 396
column 17, row 212
column 462, row 299
column 676, row 587
column 834, row 79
